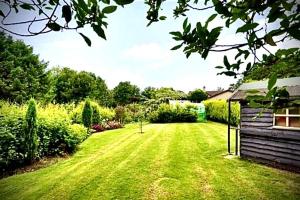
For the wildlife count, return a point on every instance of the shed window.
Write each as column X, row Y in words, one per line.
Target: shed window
column 287, row 117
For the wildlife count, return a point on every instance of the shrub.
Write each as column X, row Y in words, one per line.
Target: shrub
column 31, row 142
column 109, row 125
column 87, row 114
column 120, row 114
column 98, row 127
column 113, row 125
column 217, row 110
column 12, row 148
column 55, row 133
column 99, row 113
column 167, row 113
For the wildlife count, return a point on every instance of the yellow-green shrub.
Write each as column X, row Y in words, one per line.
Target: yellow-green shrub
column 56, row 133
column 217, row 110
column 99, row 113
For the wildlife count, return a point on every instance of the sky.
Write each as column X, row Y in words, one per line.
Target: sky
column 139, row 54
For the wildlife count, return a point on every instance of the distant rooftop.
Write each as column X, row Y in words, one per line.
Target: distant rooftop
column 215, row 93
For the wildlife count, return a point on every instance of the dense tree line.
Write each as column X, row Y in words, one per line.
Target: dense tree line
column 24, row 76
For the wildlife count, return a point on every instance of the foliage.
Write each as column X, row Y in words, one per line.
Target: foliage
column 12, row 148
column 121, row 114
column 22, row 75
column 30, row 137
column 100, row 113
column 55, row 133
column 285, row 63
column 200, row 38
column 70, row 85
column 126, row 93
column 87, row 114
column 197, row 96
column 109, row 125
column 168, row 113
column 149, row 92
column 217, row 110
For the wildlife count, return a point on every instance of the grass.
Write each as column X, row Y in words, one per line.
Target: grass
column 168, row 161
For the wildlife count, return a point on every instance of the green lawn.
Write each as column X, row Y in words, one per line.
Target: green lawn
column 168, row 161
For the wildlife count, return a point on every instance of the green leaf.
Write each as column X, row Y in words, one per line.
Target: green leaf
column 99, row 31
column 67, row 13
column 184, row 25
column 54, row 26
column 109, row 9
column 106, row 1
column 247, row 27
column 212, row 17
column 226, row 63
column 177, row 34
column 252, row 91
column 269, row 40
column 229, row 73
column 27, row 6
column 123, row 2
column 162, row 18
column 253, row 104
column 219, row 67
column 272, row 81
column 86, row 39
column 176, row 47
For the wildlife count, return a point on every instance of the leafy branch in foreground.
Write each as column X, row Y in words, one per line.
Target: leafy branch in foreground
column 281, row 23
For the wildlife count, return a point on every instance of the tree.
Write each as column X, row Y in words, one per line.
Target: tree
column 126, row 93
column 169, row 93
column 87, row 114
column 70, row 85
column 285, row 63
column 242, row 16
column 31, row 141
column 149, row 92
column 22, row 74
column 197, row 95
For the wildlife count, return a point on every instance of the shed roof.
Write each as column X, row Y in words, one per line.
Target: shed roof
column 292, row 86
column 215, row 93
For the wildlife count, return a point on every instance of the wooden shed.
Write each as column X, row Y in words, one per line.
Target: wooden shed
column 273, row 137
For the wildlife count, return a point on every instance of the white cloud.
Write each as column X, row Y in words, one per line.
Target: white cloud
column 148, row 52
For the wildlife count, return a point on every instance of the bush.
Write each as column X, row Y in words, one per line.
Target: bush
column 107, row 126
column 167, row 113
column 100, row 114
column 31, row 142
column 55, row 131
column 217, row 110
column 87, row 114
column 56, row 134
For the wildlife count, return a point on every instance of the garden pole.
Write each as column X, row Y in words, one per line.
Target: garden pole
column 228, row 142
column 236, row 141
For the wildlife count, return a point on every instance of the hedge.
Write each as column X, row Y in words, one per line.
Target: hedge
column 217, row 110
column 169, row 113
column 56, row 134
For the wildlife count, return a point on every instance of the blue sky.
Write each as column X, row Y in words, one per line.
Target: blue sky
column 136, row 53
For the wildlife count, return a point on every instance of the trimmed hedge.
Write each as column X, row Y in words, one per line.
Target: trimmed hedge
column 168, row 113
column 217, row 110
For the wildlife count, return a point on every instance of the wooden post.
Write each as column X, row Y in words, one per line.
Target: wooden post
column 228, row 134
column 236, row 141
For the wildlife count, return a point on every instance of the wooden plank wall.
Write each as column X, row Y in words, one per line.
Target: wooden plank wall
column 261, row 142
